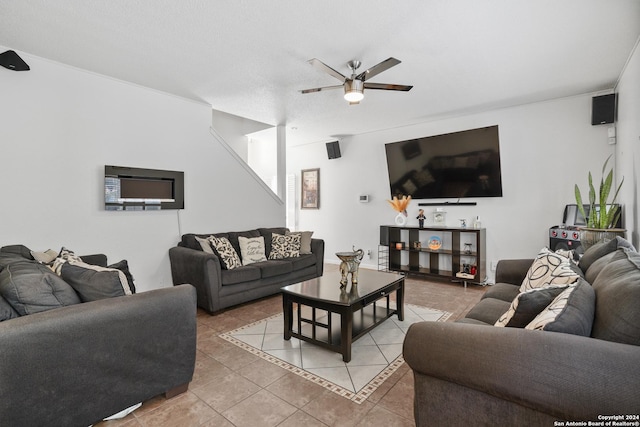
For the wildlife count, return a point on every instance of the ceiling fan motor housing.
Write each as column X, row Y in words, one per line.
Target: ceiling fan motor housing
column 353, row 90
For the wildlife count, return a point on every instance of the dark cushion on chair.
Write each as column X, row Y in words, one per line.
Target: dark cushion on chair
column 31, row 287
column 6, row 310
column 617, row 289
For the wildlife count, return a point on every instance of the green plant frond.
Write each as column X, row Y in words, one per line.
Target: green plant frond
column 602, row 213
column 592, row 191
column 615, row 196
column 579, row 201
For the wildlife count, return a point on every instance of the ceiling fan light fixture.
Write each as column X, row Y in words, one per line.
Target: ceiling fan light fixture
column 354, row 90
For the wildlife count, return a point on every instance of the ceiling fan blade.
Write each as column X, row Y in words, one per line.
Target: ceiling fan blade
column 318, row 89
column 377, row 69
column 386, row 86
column 324, row 67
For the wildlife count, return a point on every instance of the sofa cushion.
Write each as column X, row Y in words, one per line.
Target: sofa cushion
column 284, row 246
column 274, row 268
column 488, row 310
column 226, row 252
column 6, row 310
column 240, row 275
column 599, row 250
column 549, row 268
column 527, row 305
column 596, row 267
column 303, row 261
column 305, row 241
column 31, row 287
column 502, row 291
column 617, row 289
column 251, row 249
column 570, row 312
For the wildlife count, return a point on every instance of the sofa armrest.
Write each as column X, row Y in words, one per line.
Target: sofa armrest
column 512, row 271
column 567, row 376
column 76, row 365
column 317, row 247
column 200, row 269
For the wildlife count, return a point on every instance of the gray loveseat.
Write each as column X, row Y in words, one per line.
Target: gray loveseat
column 585, row 366
column 81, row 362
column 219, row 288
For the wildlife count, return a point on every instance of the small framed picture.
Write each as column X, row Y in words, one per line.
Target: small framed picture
column 310, row 197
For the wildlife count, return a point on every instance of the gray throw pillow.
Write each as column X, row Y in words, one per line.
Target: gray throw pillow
column 599, row 250
column 570, row 312
column 305, row 241
column 617, row 290
column 93, row 283
column 527, row 305
column 6, row 311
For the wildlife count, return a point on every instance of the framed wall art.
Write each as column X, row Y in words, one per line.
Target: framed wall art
column 310, row 198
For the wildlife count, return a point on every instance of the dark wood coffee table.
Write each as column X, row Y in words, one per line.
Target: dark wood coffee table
column 341, row 316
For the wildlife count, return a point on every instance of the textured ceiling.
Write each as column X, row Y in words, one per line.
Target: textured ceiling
column 249, row 57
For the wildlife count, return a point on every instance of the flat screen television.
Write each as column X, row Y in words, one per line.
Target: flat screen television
column 137, row 189
column 454, row 165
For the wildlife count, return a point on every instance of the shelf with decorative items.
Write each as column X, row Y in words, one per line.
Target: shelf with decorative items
column 455, row 253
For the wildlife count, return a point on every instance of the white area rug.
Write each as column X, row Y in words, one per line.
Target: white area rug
column 374, row 356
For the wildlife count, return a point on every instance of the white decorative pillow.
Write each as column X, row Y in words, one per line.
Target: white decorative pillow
column 527, row 305
column 305, row 241
column 229, row 256
column 204, row 244
column 45, row 257
column 285, row 246
column 549, row 268
column 251, row 249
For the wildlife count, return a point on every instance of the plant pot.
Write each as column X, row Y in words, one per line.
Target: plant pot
column 591, row 236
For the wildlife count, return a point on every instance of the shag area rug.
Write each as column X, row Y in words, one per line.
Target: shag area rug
column 374, row 356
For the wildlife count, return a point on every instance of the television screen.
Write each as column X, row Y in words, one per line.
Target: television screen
column 142, row 189
column 453, row 165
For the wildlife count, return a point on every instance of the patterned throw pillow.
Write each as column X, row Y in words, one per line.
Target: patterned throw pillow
column 287, row 246
column 549, row 268
column 305, row 241
column 230, row 258
column 527, row 305
column 251, row 249
column 571, row 312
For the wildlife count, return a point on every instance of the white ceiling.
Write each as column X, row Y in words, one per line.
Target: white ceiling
column 249, row 57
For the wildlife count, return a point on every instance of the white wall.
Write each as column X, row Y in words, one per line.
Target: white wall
column 60, row 126
column 628, row 144
column 545, row 149
column 234, row 129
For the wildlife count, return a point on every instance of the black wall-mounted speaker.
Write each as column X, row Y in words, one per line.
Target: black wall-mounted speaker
column 333, row 150
column 603, row 109
column 12, row 61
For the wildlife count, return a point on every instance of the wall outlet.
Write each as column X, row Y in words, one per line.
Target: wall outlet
column 369, row 253
column 494, row 265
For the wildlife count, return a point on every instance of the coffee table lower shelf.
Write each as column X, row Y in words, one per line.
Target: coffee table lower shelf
column 334, row 326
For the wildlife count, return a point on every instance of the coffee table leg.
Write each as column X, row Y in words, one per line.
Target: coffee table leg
column 346, row 334
column 400, row 301
column 287, row 304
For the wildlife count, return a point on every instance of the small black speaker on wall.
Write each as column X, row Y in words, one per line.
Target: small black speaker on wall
column 333, row 150
column 12, row 61
column 603, row 109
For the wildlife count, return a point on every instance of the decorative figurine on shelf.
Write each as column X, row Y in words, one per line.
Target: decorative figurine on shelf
column 463, row 223
column 467, row 248
column 439, row 216
column 350, row 263
column 421, row 218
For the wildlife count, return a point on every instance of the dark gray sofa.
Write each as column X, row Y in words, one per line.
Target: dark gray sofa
column 472, row 373
column 79, row 363
column 219, row 288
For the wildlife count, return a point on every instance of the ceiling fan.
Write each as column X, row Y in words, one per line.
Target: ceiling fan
column 355, row 85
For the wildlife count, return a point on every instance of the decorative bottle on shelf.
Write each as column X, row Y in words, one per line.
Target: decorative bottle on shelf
column 477, row 223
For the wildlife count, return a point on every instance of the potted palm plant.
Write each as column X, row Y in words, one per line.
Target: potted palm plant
column 603, row 214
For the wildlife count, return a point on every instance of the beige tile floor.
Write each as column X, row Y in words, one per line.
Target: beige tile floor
column 232, row 387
